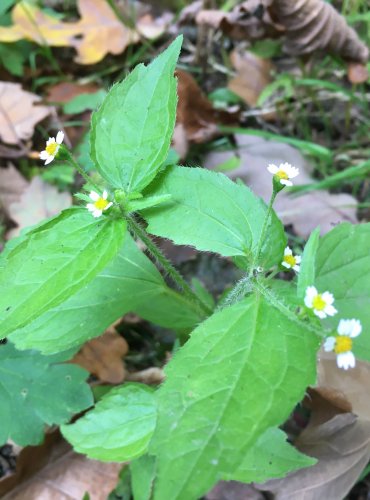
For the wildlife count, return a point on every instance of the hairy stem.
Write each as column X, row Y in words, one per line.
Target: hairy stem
column 176, row 277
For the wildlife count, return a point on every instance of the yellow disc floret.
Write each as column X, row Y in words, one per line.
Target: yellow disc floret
column 319, row 303
column 290, row 259
column 101, row 203
column 342, row 344
column 282, row 175
column 51, row 148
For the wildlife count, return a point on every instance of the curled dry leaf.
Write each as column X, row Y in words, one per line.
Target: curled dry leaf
column 38, row 201
column 102, row 356
column 19, row 113
column 313, row 25
column 96, row 34
column 253, row 75
column 196, row 115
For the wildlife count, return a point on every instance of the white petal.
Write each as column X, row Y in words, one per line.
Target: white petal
column 49, row 160
column 94, row 196
column 298, row 259
column 288, row 251
column 356, row 328
column 285, row 182
column 109, row 205
column 285, row 264
column 60, row 137
column 330, row 310
column 328, row 297
column 329, row 344
column 346, row 360
column 90, row 207
column 319, row 314
column 97, row 213
column 44, row 155
column 50, row 141
column 105, row 195
column 311, row 293
column 344, row 327
column 272, row 168
column 297, row 268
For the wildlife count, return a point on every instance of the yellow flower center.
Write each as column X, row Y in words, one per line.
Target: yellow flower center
column 52, row 148
column 290, row 259
column 101, row 204
column 342, row 344
column 282, row 175
column 319, row 303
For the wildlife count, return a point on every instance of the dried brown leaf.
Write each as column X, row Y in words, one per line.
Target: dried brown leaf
column 353, row 385
column 253, row 75
column 12, row 186
column 19, row 113
column 195, row 111
column 306, row 212
column 62, row 475
column 96, row 34
column 315, row 25
column 232, row 490
column 102, row 357
column 342, row 447
column 38, row 201
column 64, row 92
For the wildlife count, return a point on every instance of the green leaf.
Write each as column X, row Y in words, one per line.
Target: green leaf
column 120, row 426
column 130, row 282
column 147, row 202
column 142, row 476
column 265, row 358
column 271, row 457
column 35, row 391
column 212, row 213
column 12, row 58
column 343, row 268
column 52, row 262
column 306, row 275
column 132, row 130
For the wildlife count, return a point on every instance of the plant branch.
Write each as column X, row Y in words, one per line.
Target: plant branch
column 176, row 277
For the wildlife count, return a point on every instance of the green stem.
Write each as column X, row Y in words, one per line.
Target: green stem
column 264, row 227
column 140, row 233
column 74, row 164
column 240, row 289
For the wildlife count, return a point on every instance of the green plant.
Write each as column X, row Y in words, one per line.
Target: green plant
column 249, row 359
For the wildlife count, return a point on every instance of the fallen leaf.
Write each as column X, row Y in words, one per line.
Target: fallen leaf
column 18, row 113
column 195, row 111
column 64, row 92
column 38, row 201
column 315, row 25
column 253, row 75
column 103, row 355
column 96, row 34
column 342, row 447
column 305, row 212
column 352, row 385
column 357, row 73
column 153, row 27
column 65, row 475
column 12, row 186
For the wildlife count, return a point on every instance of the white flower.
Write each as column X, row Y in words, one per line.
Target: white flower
column 341, row 344
column 291, row 261
column 100, row 203
column 284, row 172
column 321, row 303
column 52, row 148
